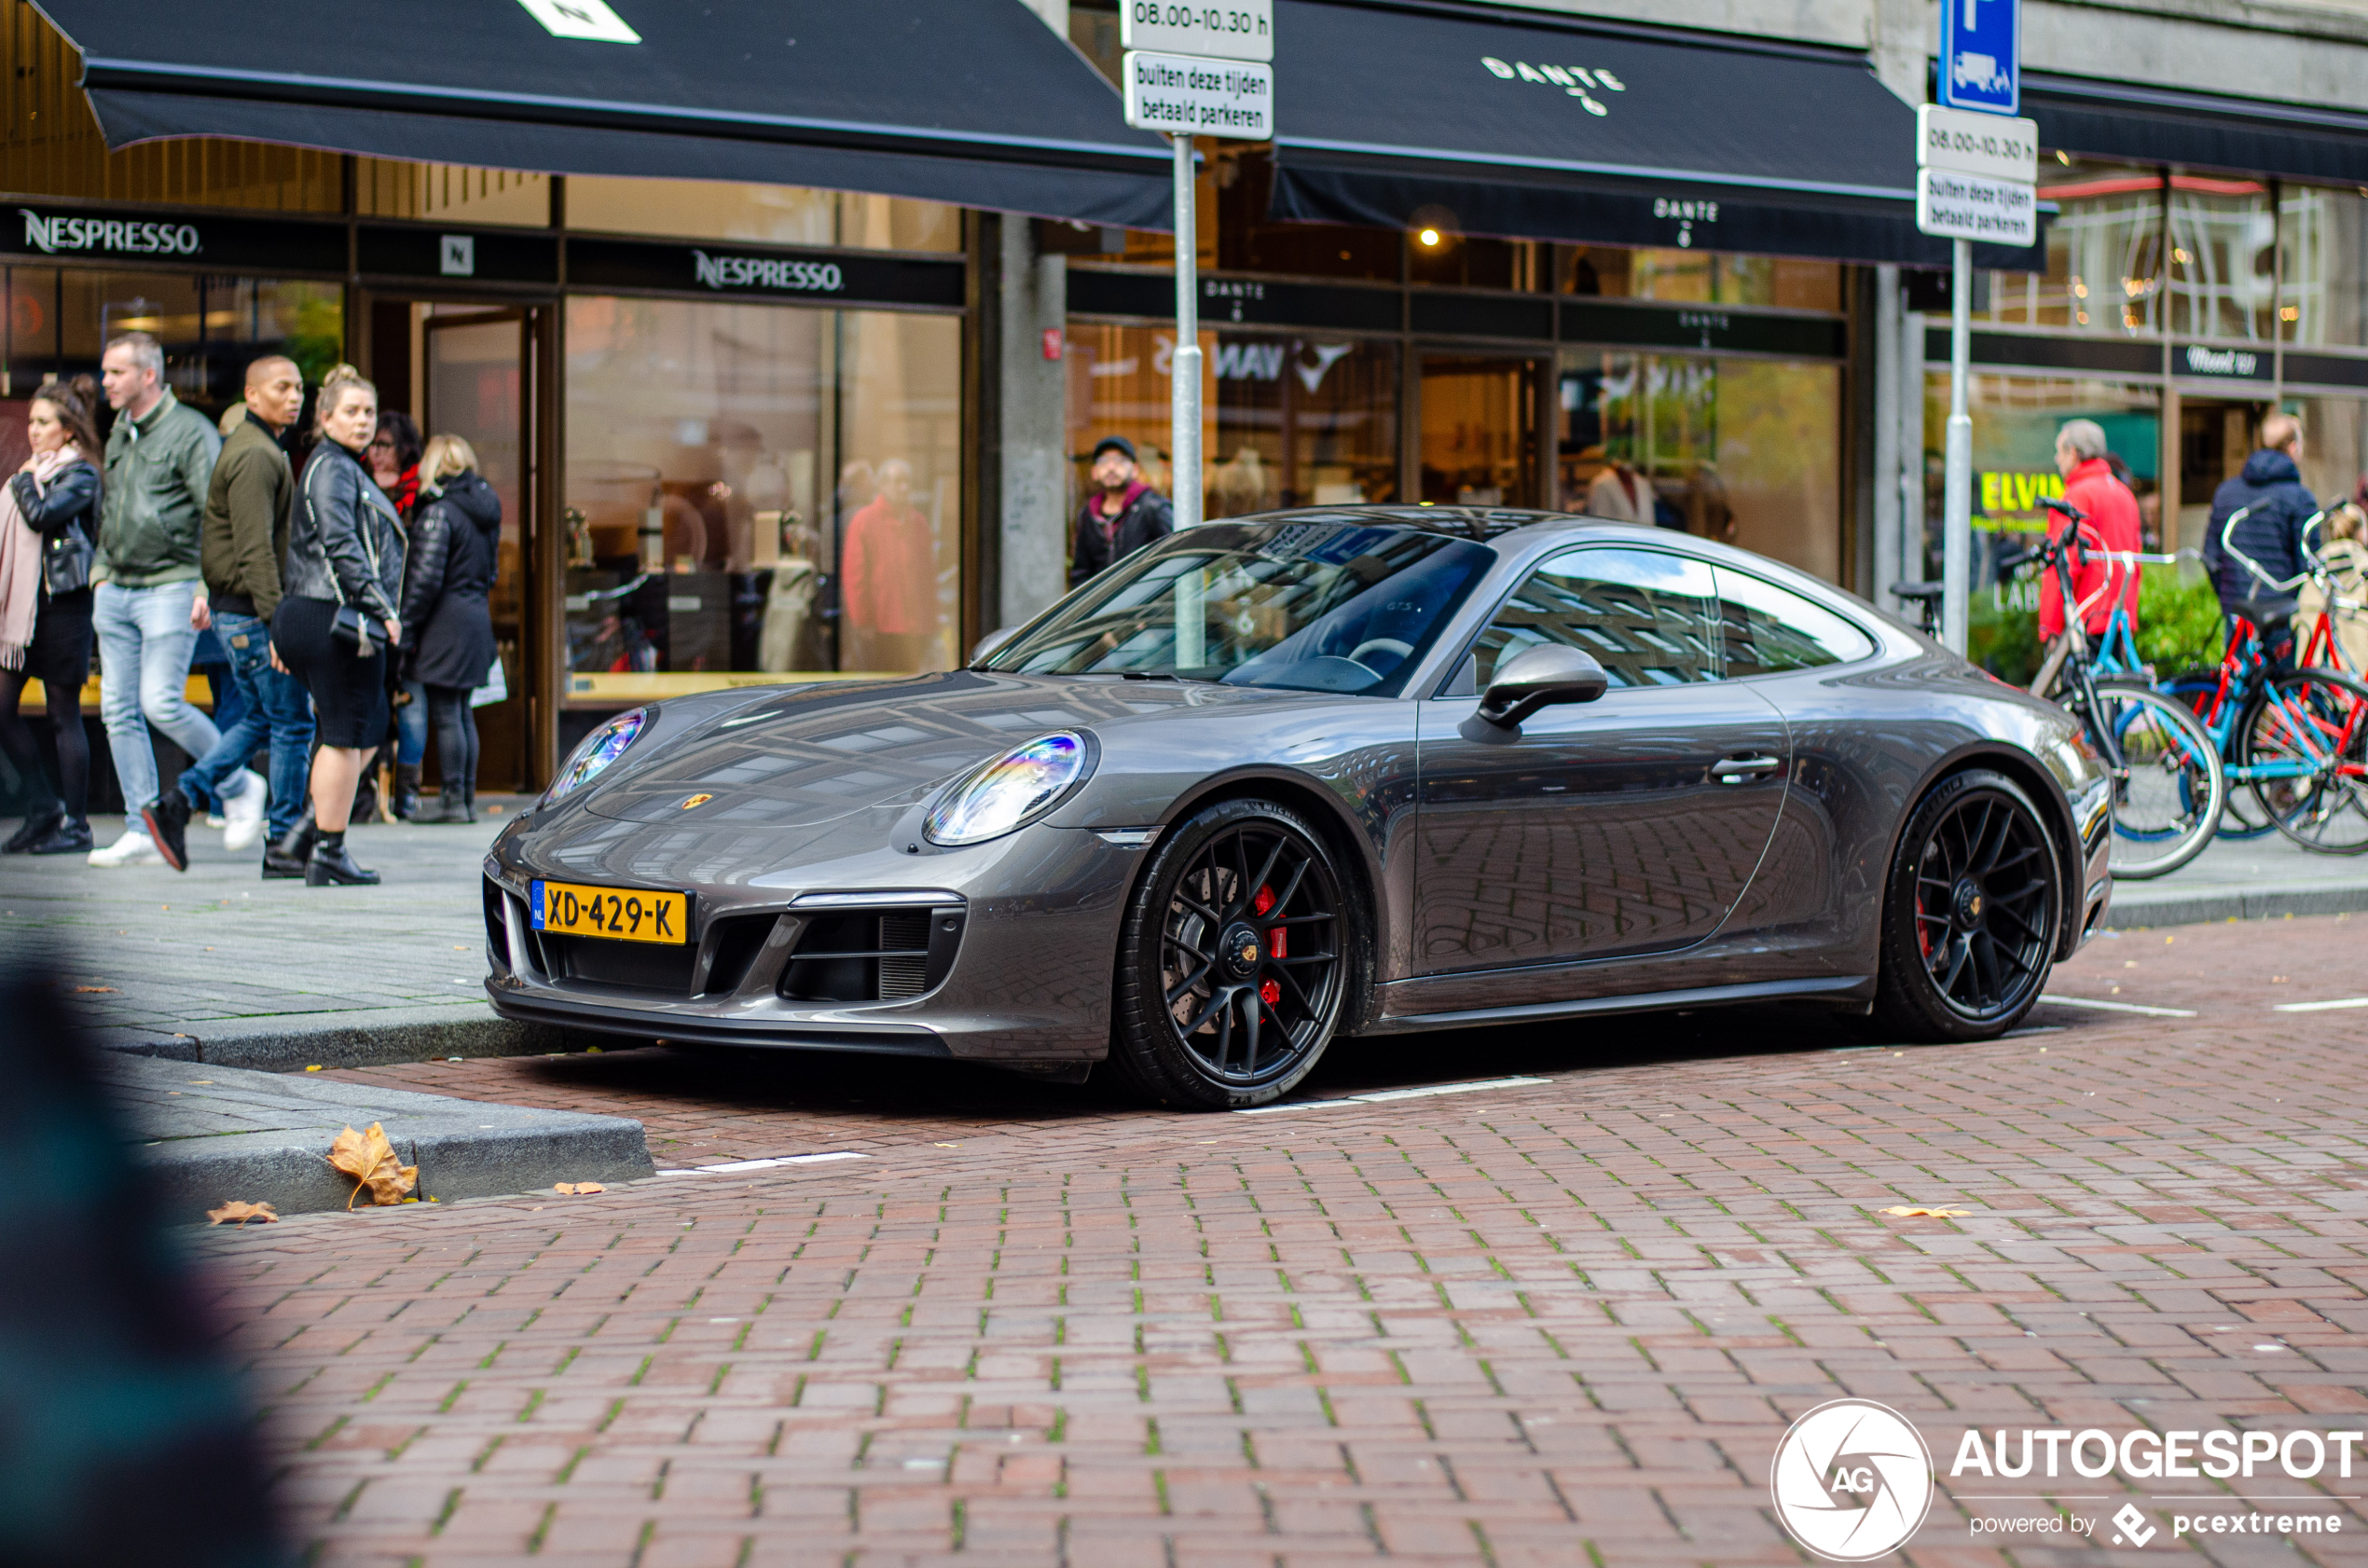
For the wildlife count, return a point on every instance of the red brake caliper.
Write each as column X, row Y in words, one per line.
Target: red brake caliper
column 1278, row 945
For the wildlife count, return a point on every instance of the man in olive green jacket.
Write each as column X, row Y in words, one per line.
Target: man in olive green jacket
column 151, row 601
column 247, row 510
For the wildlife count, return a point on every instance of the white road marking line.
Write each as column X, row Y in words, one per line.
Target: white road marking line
column 1381, row 1095
column 733, row 1166
column 2320, row 1007
column 2117, row 1007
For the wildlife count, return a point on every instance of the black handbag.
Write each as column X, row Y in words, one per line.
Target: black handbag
column 66, row 560
column 356, row 630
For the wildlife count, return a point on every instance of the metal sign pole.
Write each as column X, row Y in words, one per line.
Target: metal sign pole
column 1185, row 369
column 1957, row 515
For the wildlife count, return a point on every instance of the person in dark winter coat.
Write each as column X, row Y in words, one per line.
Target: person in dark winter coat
column 1122, row 515
column 339, row 619
column 456, row 538
column 2276, row 505
column 49, row 531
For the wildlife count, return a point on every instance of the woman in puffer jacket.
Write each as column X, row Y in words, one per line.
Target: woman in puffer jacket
column 345, row 553
column 456, row 537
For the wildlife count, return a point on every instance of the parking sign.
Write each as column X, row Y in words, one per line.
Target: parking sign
column 1981, row 55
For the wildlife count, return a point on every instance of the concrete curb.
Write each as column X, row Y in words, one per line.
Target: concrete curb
column 2134, row 910
column 365, row 1038
column 265, row 1137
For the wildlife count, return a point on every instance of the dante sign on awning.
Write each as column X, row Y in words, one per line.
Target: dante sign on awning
column 1969, row 207
column 1193, row 96
column 1236, row 30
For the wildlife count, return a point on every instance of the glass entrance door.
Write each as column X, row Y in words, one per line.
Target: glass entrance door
column 1479, row 431
column 478, row 375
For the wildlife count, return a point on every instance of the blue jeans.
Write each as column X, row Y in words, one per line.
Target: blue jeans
column 210, row 659
column 271, row 704
column 411, row 725
column 145, row 639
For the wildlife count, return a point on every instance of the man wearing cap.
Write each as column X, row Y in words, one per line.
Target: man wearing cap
column 1122, row 514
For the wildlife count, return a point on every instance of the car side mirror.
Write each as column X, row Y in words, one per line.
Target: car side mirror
column 991, row 641
column 1535, row 678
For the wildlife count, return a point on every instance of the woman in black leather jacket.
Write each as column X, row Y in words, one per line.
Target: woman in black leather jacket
column 456, row 538
column 337, row 627
column 45, row 584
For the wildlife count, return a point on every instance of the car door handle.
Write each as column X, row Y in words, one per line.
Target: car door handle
column 1742, row 770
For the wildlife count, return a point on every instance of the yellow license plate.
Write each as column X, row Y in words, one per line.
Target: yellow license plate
column 623, row 916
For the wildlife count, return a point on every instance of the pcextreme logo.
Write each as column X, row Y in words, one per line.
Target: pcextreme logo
column 1852, row 1481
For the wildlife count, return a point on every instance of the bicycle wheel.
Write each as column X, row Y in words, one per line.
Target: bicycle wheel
column 2307, row 738
column 2243, row 817
column 2169, row 806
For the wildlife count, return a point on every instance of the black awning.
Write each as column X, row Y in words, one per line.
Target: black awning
column 973, row 101
column 2196, row 130
column 1530, row 127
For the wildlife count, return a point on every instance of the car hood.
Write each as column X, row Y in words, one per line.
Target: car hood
column 809, row 755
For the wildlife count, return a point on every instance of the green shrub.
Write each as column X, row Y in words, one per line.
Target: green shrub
column 2179, row 625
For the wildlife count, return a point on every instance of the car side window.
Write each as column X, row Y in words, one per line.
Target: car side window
column 1649, row 618
column 1769, row 630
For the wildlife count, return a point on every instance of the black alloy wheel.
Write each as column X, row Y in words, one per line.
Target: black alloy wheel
column 1235, row 961
column 1972, row 914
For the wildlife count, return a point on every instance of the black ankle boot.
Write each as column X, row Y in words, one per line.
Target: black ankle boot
column 406, row 791
column 332, row 867
column 293, row 852
column 37, row 826
column 452, row 806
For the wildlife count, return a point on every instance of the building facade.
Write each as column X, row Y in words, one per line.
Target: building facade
column 746, row 432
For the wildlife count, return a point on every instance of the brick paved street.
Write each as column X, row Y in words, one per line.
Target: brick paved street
column 1557, row 1323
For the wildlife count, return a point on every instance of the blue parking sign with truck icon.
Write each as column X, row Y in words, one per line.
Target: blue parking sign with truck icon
column 1981, row 55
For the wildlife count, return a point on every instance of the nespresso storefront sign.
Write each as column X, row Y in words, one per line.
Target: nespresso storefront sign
column 246, row 244
column 50, row 233
column 837, row 277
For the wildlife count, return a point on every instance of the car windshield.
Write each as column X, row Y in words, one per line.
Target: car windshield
column 1308, row 606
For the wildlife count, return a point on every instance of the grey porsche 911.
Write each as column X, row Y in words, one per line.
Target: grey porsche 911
column 1280, row 780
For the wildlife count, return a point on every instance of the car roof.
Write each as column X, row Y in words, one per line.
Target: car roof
column 1461, row 522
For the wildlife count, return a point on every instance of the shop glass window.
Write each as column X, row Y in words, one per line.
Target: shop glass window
column 1699, row 277
column 1747, row 451
column 1287, row 419
column 1244, row 178
column 1436, row 255
column 758, row 488
column 1771, row 630
column 2335, row 444
column 2223, row 241
column 2104, row 271
column 762, row 215
column 59, row 321
column 1649, row 618
column 1480, row 429
column 2322, row 249
column 2016, row 419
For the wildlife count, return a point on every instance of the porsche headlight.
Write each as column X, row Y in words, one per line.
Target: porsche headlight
column 601, row 748
column 1015, row 788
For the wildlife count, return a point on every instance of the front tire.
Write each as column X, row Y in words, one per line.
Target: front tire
column 1235, row 961
column 1970, row 914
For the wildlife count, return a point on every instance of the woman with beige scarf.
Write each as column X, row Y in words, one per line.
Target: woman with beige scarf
column 49, row 531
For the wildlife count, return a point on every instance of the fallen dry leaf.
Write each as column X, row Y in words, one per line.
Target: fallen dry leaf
column 369, row 1159
column 1905, row 1212
column 94, row 988
column 577, row 1189
column 238, row 1213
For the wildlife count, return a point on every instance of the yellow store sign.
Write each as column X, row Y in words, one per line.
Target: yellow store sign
column 2010, row 501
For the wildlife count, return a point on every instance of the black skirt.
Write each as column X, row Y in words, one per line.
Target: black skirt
column 349, row 693
column 60, row 653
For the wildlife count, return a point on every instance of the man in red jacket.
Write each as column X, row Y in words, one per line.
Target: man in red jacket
column 2098, row 581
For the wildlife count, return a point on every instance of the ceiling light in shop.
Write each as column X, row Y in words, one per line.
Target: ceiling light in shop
column 1428, row 237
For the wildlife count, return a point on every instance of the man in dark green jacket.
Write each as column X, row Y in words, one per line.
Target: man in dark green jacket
column 245, row 533
column 151, row 603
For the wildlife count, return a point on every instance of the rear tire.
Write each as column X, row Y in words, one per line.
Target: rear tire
column 1210, row 1015
column 1971, row 913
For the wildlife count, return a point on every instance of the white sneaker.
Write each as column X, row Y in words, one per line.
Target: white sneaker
column 215, row 820
column 134, row 848
column 242, row 813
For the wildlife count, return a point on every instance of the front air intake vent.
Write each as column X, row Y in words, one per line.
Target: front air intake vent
column 872, row 955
